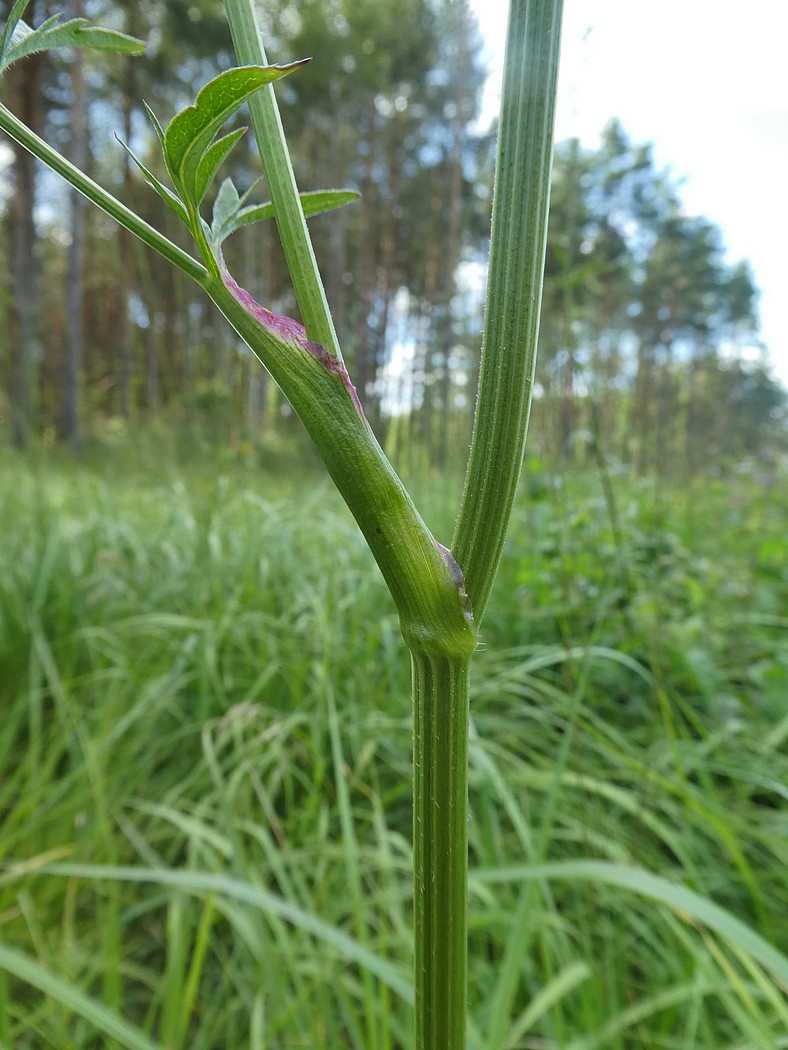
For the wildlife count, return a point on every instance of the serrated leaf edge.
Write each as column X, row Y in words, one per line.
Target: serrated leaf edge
column 53, row 34
column 14, row 17
column 176, row 159
column 166, row 194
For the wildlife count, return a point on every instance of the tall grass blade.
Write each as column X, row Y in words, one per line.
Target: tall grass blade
column 73, row 999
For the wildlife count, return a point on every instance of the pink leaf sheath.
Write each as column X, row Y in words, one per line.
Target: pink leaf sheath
column 291, row 331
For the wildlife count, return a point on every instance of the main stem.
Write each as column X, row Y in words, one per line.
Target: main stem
column 280, row 178
column 514, row 293
column 440, row 849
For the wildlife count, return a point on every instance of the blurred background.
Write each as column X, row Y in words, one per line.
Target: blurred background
column 205, row 742
column 651, row 347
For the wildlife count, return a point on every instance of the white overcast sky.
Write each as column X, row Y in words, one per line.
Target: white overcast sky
column 707, row 82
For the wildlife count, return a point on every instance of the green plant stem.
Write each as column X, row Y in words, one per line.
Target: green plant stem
column 278, row 169
column 440, row 673
column 130, row 221
column 514, row 292
column 425, row 590
column 441, row 637
column 440, row 850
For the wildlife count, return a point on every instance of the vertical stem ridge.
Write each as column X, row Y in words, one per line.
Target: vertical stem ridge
column 280, row 178
column 440, row 846
column 514, row 292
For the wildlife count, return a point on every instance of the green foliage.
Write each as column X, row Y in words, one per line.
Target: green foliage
column 18, row 40
column 231, row 212
column 166, row 638
column 436, row 601
column 194, row 155
column 191, row 151
column 189, row 135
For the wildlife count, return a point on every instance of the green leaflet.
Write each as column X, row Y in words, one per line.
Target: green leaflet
column 191, row 132
column 192, row 153
column 230, row 214
column 166, row 194
column 18, row 40
column 227, row 203
column 212, row 160
column 193, row 156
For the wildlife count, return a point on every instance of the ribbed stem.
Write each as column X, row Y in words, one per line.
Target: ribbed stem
column 440, row 846
column 514, row 292
column 420, row 575
column 279, row 176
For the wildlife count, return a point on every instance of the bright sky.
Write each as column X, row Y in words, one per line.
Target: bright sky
column 706, row 82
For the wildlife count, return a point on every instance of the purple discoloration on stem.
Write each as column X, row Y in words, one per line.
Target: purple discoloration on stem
column 292, row 332
column 332, row 363
column 285, row 327
column 459, row 579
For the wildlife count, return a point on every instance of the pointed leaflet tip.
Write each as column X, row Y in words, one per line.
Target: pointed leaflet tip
column 191, row 131
column 156, row 124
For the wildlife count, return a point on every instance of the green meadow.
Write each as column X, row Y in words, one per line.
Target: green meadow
column 206, row 764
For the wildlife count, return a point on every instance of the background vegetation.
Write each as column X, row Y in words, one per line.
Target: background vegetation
column 650, row 335
column 201, row 672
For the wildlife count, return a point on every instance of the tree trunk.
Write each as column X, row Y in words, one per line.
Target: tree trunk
column 365, row 365
column 75, row 265
column 125, row 336
column 26, row 84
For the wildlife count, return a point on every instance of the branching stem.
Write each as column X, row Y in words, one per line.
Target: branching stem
column 434, row 593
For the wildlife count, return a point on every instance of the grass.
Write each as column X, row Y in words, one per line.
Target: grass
column 206, row 747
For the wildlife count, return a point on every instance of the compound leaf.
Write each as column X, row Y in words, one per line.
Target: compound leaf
column 190, row 132
column 313, row 203
column 54, row 33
